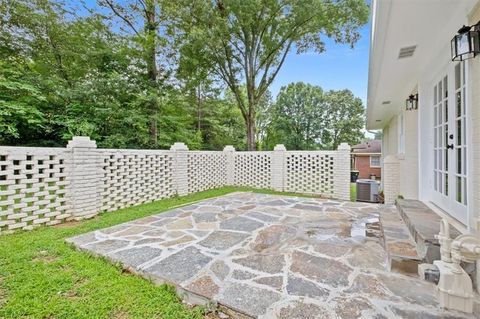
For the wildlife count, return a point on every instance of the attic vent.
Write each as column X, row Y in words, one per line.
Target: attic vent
column 386, row 102
column 406, row 52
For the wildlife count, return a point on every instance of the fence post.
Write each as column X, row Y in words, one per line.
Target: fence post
column 180, row 160
column 391, row 179
column 341, row 172
column 278, row 171
column 84, row 173
column 229, row 151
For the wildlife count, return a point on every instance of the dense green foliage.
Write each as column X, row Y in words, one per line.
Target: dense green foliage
column 307, row 118
column 142, row 73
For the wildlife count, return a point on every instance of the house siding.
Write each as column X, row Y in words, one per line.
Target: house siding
column 474, row 95
column 408, row 160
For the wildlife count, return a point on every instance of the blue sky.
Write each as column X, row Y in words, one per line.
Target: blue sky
column 339, row 67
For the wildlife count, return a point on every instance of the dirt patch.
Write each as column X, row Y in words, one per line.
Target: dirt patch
column 68, row 224
column 216, row 315
column 119, row 314
column 73, row 293
column 44, row 257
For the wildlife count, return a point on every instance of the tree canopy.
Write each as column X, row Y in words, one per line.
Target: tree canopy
column 307, row 118
column 148, row 73
column 246, row 42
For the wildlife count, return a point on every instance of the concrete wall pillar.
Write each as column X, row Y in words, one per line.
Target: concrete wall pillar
column 229, row 151
column 180, row 175
column 84, row 174
column 278, row 168
column 341, row 172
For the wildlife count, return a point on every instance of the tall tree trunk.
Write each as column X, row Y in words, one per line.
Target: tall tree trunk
column 251, row 116
column 199, row 108
column 151, row 61
column 151, row 43
column 251, row 143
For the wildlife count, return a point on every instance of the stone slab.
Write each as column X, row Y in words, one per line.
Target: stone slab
column 269, row 256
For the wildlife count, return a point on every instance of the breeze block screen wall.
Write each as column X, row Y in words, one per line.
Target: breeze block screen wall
column 46, row 186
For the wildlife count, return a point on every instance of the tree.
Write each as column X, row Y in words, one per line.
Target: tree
column 247, row 41
column 346, row 118
column 307, row 118
column 299, row 117
column 19, row 102
column 142, row 18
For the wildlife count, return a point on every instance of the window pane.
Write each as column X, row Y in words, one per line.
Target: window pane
column 458, row 109
column 446, row 184
column 446, row 110
column 374, row 160
column 459, row 189
column 459, row 132
column 457, row 76
column 446, row 159
column 445, row 87
column 440, row 160
column 459, row 161
column 440, row 90
column 440, row 182
column 440, row 108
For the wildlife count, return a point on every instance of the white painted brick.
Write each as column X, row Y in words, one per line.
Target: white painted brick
column 96, row 180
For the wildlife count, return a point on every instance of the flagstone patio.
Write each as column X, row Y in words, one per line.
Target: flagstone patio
column 271, row 256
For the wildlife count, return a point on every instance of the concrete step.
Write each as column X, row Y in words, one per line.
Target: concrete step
column 423, row 224
column 399, row 244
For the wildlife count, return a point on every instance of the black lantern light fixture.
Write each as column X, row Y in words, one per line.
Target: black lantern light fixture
column 466, row 44
column 412, row 102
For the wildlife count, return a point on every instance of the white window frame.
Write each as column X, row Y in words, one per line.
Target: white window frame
column 379, row 161
column 401, row 133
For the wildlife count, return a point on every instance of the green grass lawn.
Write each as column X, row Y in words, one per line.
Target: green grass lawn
column 43, row 277
column 353, row 192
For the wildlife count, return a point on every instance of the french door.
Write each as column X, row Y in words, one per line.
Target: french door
column 450, row 143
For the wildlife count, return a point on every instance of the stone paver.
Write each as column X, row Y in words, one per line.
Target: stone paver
column 271, row 256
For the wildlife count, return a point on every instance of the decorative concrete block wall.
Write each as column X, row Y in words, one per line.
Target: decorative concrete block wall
column 132, row 177
column 45, row 186
column 34, row 188
column 253, row 169
column 206, row 170
column 310, row 172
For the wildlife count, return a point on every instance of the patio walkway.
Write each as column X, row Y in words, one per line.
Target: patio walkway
column 271, row 257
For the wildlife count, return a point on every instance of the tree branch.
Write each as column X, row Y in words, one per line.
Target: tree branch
column 118, row 14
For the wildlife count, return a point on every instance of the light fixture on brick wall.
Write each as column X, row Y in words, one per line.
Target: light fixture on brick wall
column 466, row 44
column 411, row 103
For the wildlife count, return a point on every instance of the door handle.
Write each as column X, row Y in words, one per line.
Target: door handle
column 450, row 146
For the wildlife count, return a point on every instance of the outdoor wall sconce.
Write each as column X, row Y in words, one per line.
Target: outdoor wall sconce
column 411, row 103
column 466, row 44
